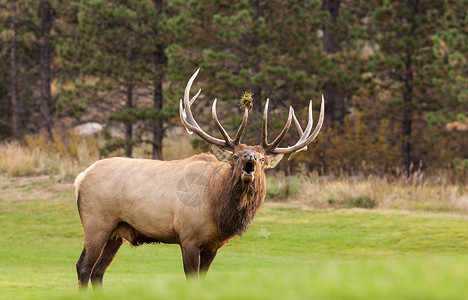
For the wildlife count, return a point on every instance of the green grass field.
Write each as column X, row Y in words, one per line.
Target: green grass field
column 287, row 253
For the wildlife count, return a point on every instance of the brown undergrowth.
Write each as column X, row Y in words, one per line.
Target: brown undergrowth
column 327, row 192
column 36, row 155
column 40, row 169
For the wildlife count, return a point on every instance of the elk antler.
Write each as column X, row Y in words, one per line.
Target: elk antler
column 191, row 126
column 270, row 146
column 305, row 139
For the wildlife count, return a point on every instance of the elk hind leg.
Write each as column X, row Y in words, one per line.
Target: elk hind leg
column 108, row 254
column 92, row 250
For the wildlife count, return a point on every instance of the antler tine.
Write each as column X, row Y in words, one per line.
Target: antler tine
column 190, row 129
column 187, row 101
column 265, row 125
column 226, row 136
column 280, row 137
column 298, row 125
column 188, row 122
column 303, row 134
column 305, row 139
column 194, row 97
column 269, row 146
column 310, row 123
column 182, row 116
column 241, row 130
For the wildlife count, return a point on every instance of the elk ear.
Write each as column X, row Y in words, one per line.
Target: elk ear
column 221, row 154
column 273, row 160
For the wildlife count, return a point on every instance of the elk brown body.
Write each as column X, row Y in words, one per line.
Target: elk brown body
column 200, row 202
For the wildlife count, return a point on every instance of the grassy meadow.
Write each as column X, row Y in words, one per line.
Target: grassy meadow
column 313, row 238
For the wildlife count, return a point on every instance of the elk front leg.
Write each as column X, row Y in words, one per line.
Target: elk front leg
column 191, row 260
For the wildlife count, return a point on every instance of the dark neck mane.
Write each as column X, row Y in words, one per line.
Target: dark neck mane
column 235, row 204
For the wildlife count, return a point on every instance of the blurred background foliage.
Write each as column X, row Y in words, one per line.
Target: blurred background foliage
column 393, row 73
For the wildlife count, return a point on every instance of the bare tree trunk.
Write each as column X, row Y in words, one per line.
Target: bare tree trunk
column 407, row 113
column 329, row 41
column 158, row 102
column 129, row 124
column 334, row 95
column 45, row 10
column 160, row 63
column 261, row 8
column 129, row 105
column 14, row 76
column 407, row 118
column 335, row 102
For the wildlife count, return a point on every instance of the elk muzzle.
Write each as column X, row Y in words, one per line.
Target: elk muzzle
column 249, row 160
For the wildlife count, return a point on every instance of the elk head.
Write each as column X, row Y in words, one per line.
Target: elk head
column 249, row 161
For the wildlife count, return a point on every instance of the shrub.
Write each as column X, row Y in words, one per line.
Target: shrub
column 281, row 187
column 361, row 201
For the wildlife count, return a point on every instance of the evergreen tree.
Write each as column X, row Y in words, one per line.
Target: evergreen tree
column 30, row 39
column 5, row 102
column 19, row 66
column 449, row 124
column 255, row 46
column 14, row 73
column 450, row 50
column 403, row 32
column 156, row 37
column 340, row 65
column 46, row 15
column 335, row 108
column 125, row 48
column 104, row 49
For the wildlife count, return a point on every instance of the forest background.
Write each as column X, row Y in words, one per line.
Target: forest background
column 393, row 74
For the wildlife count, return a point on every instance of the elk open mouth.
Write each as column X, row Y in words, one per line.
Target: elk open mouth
column 248, row 171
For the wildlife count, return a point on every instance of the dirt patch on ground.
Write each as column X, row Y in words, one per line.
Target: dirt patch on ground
column 35, row 188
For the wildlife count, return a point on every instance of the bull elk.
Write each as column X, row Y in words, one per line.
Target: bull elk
column 200, row 202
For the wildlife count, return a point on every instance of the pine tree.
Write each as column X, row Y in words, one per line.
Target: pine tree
column 335, row 109
column 14, row 74
column 10, row 117
column 125, row 47
column 31, row 41
column 103, row 49
column 153, row 29
column 46, row 15
column 5, row 101
column 403, row 32
column 449, row 125
column 19, row 67
column 340, row 67
column 255, row 46
column 450, row 49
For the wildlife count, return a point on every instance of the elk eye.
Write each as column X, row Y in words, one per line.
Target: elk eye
column 262, row 159
column 235, row 156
